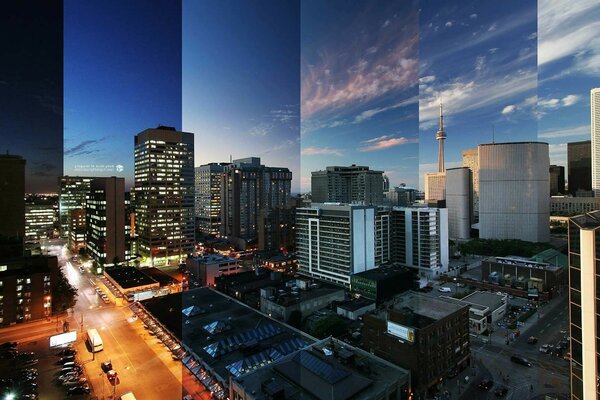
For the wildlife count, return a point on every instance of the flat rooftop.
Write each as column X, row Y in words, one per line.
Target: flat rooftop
column 161, row 277
column 287, row 295
column 324, row 370
column 523, row 262
column 486, row 299
column 357, row 304
column 213, row 259
column 228, row 336
column 383, row 273
column 424, row 309
column 129, row 277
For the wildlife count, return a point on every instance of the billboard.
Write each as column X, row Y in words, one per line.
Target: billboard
column 400, row 331
column 62, row 339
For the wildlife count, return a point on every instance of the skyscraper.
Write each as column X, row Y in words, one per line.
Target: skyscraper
column 164, row 193
column 440, row 136
column 584, row 256
column 579, row 164
column 12, row 205
column 514, row 191
column 353, row 184
column 435, row 183
column 73, row 192
column 246, row 188
column 470, row 159
column 595, row 125
column 557, row 180
column 208, row 197
column 458, row 202
column 106, row 222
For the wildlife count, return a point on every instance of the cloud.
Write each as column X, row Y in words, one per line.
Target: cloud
column 284, row 115
column 570, row 100
column 427, row 79
column 321, row 151
column 473, row 16
column 582, row 130
column 532, row 36
column 262, row 129
column 448, row 24
column 368, row 114
column 83, row 148
column 509, row 109
column 493, row 50
column 493, row 27
column 385, row 24
column 385, row 142
column 552, row 104
column 479, row 63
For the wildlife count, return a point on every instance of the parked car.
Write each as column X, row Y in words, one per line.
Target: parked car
column 80, row 389
column 74, row 382
column 545, row 348
column 8, row 346
column 66, row 352
column 532, row 340
column 106, row 300
column 65, row 359
column 444, row 289
column 106, row 366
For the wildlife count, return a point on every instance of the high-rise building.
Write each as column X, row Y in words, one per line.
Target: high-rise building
column 557, row 180
column 12, row 205
column 353, row 184
column 470, row 159
column 595, row 125
column 164, row 194
column 105, row 222
column 208, row 197
column 276, row 229
column 579, row 164
column 386, row 183
column 458, row 202
column 435, row 186
column 419, row 239
column 514, row 191
column 334, row 241
column 584, row 256
column 246, row 188
column 73, row 192
column 41, row 217
column 77, row 229
column 401, row 196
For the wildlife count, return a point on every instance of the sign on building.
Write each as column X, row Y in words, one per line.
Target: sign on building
column 63, row 339
column 401, row 331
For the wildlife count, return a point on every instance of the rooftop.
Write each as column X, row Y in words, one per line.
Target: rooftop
column 213, row 258
column 289, row 293
column 129, row 277
column 357, row 304
column 161, row 277
column 589, row 220
column 382, row 273
column 326, row 369
column 523, row 262
column 422, row 310
column 486, row 299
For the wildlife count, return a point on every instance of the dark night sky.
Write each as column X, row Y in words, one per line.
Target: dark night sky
column 31, row 89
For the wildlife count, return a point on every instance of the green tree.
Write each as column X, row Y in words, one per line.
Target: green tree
column 332, row 325
column 64, row 295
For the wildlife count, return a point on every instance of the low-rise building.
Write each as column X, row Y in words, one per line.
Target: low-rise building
column 485, row 309
column 355, row 308
column 286, row 263
column 245, row 286
column 301, row 295
column 382, row 283
column 568, row 205
column 207, row 268
column 130, row 280
column 426, row 335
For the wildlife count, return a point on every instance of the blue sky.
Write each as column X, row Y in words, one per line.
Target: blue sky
column 241, row 81
column 122, row 74
column 359, row 73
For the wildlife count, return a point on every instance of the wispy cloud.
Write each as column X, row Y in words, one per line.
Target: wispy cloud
column 368, row 114
column 262, row 129
column 82, row 148
column 321, row 151
column 582, row 130
column 385, row 142
column 284, row 115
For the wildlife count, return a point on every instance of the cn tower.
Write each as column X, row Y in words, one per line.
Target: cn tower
column 440, row 137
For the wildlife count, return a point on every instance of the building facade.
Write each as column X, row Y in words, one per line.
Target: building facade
column 276, row 229
column 435, row 186
column 12, row 205
column 595, row 125
column 353, row 184
column 557, row 180
column 584, row 236
column 208, row 197
column 106, row 222
column 458, row 202
column 380, row 284
column 247, row 187
column 470, row 159
column 579, row 162
column 164, row 194
column 419, row 239
column 514, row 191
column 73, row 194
column 570, row 206
column 77, row 229
column 41, row 217
column 334, row 241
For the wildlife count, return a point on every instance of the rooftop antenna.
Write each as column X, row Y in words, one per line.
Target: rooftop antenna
column 493, row 134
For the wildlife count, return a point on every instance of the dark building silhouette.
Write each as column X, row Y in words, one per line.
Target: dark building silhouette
column 579, row 161
column 557, row 180
column 12, row 205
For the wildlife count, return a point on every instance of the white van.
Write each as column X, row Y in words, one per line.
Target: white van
column 128, row 396
column 444, row 289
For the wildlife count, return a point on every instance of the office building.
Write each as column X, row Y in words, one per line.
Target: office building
column 246, row 188
column 334, row 241
column 485, row 310
column 164, row 194
column 73, row 192
column 77, row 230
column 276, row 229
column 595, row 125
column 458, row 202
column 514, row 191
column 419, row 239
column 381, row 284
column 386, row 183
column 557, row 180
column 206, row 268
column 12, row 205
column 353, row 184
column 435, row 186
column 41, row 217
column 106, row 222
column 583, row 300
column 579, row 163
column 25, row 288
column 470, row 159
column 208, row 197
column 401, row 196
column 426, row 335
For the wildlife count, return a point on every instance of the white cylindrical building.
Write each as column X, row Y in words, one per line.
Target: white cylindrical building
column 458, row 202
column 514, row 191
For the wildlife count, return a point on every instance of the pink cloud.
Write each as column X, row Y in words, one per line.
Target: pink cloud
column 385, row 142
column 320, row 151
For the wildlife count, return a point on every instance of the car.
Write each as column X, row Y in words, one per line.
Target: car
column 106, row 366
column 8, row 346
column 460, row 284
column 74, row 382
column 66, row 352
column 98, row 290
column 65, row 359
column 106, row 300
column 8, row 354
column 444, row 289
column 68, row 375
column 81, row 270
column 545, row 348
column 486, row 384
column 532, row 340
column 80, row 389
column 74, row 368
column 25, row 355
column 520, row 360
column 567, row 356
column 27, row 363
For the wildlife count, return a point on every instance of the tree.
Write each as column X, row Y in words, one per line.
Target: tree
column 64, row 295
column 332, row 325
